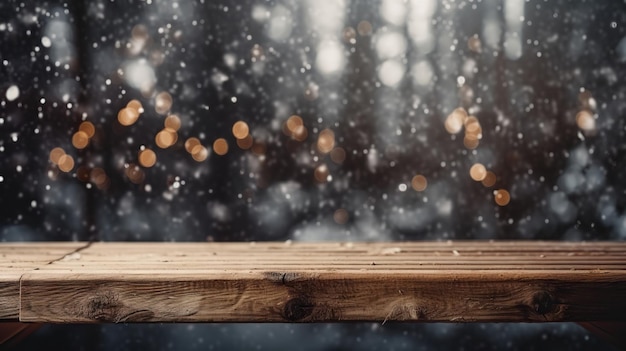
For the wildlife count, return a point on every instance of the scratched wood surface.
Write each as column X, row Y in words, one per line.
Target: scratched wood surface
column 19, row 258
column 308, row 282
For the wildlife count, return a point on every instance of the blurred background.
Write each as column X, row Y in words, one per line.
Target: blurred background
column 151, row 120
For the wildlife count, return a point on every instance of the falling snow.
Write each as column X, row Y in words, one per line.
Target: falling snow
column 13, row 92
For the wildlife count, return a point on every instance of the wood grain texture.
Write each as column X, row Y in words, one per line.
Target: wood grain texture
column 19, row 258
column 311, row 282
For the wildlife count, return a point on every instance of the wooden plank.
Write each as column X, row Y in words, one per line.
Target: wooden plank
column 9, row 296
column 307, row 282
column 19, row 258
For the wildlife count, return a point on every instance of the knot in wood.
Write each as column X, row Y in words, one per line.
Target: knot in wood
column 107, row 306
column 298, row 308
column 543, row 302
column 104, row 306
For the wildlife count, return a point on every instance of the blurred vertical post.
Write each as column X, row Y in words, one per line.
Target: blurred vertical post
column 82, row 72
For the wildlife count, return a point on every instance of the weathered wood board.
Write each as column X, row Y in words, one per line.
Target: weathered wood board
column 19, row 258
column 325, row 282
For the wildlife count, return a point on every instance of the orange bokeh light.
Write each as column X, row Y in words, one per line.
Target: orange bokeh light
column 147, row 158
column 502, row 197
column 220, row 146
column 419, row 183
column 241, row 130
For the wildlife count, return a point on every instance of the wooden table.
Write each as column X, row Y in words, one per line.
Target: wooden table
column 472, row 281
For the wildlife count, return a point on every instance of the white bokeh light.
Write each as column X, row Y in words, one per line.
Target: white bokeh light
column 390, row 45
column 139, row 74
column 280, row 23
column 330, row 57
column 12, row 93
column 393, row 11
column 422, row 73
column 391, row 72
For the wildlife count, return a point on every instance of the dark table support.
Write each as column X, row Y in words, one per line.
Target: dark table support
column 13, row 332
column 612, row 332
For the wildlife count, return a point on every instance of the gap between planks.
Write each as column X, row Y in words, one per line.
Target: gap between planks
column 49, row 262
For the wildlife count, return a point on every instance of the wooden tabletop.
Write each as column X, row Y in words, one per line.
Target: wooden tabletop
column 19, row 258
column 522, row 281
